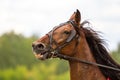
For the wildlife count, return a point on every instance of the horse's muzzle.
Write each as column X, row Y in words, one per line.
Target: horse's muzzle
column 39, row 50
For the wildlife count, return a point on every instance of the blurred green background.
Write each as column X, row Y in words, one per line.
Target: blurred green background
column 18, row 63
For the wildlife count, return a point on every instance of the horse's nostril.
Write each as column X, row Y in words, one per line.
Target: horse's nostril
column 40, row 46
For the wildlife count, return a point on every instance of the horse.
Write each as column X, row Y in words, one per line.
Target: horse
column 82, row 47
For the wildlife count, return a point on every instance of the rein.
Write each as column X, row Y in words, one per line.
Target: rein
column 74, row 33
column 61, row 56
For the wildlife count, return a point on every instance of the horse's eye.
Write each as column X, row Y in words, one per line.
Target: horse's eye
column 67, row 32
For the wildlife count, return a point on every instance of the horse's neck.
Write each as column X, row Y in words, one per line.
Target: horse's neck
column 81, row 71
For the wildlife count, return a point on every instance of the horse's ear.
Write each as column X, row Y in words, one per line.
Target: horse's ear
column 76, row 17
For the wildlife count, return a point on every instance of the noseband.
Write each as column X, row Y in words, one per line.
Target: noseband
column 74, row 33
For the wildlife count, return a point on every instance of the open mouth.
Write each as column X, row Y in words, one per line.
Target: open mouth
column 43, row 55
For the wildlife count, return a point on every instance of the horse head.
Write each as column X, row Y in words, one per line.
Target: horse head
column 62, row 39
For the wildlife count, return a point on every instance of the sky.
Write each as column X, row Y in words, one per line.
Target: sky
column 29, row 17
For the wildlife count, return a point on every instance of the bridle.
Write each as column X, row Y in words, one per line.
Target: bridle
column 74, row 34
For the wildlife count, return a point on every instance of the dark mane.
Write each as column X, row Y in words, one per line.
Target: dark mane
column 100, row 53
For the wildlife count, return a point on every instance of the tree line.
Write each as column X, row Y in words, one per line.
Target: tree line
column 16, row 50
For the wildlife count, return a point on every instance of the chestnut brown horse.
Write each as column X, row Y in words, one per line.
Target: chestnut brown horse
column 73, row 42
